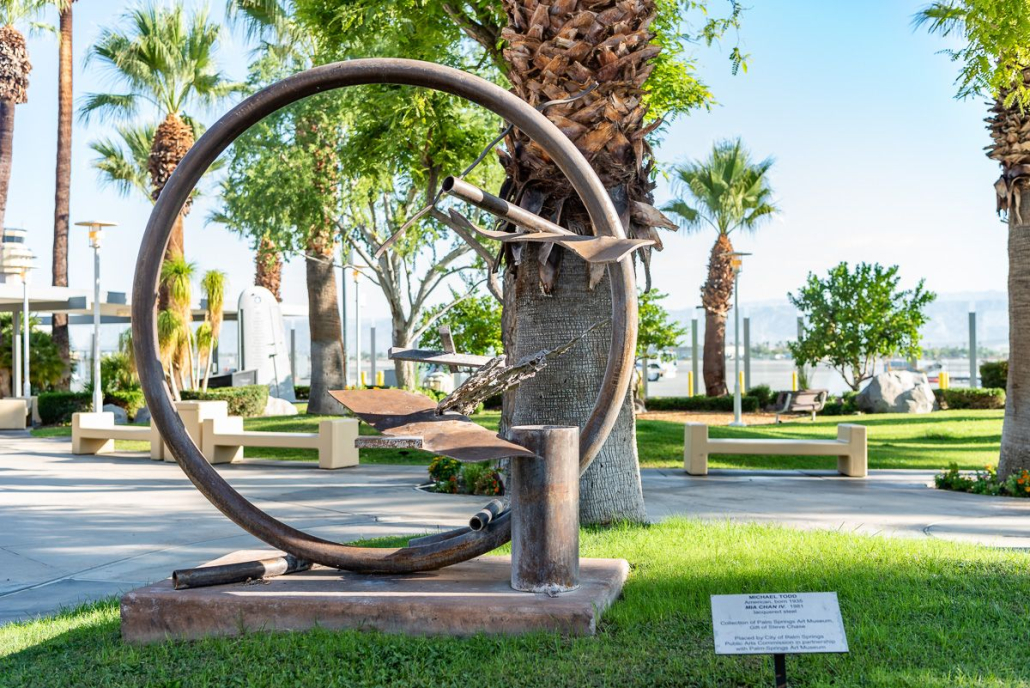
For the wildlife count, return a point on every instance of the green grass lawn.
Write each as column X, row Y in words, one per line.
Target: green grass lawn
column 918, row 613
column 969, row 438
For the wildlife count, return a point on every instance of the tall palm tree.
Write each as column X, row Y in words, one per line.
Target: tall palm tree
column 994, row 40
column 165, row 60
column 62, row 186
column 123, row 164
column 14, row 80
column 268, row 267
column 726, row 192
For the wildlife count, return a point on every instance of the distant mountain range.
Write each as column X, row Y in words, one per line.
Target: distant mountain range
column 776, row 321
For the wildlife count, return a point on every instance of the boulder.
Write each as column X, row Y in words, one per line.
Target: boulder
column 897, row 391
column 142, row 416
column 120, row 416
column 279, row 407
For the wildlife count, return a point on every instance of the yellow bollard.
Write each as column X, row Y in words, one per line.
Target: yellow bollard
column 944, row 382
column 364, row 380
column 794, row 381
column 690, row 383
column 380, row 379
column 740, row 379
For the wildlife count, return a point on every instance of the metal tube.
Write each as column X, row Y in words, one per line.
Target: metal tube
column 357, row 331
column 694, row 356
column 26, row 390
column 747, row 354
column 974, row 373
column 98, row 393
column 237, row 573
column 16, row 351
column 218, row 137
column 499, row 207
column 372, row 356
column 737, row 420
column 344, row 260
column 545, row 509
column 484, row 516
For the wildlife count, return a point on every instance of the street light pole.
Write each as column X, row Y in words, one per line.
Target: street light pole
column 95, row 236
column 357, row 329
column 736, row 261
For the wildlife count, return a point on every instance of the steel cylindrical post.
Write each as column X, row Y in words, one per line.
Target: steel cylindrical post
column 545, row 509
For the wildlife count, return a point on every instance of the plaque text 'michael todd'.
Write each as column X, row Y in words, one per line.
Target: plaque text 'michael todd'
column 778, row 623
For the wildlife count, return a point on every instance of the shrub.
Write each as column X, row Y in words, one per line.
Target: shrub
column 962, row 398
column 984, row 482
column 442, row 468
column 58, row 407
column 453, row 477
column 748, row 404
column 248, row 401
column 843, row 405
column 433, row 394
column 763, row 393
column 129, row 399
column 995, row 374
column 303, row 392
column 490, row 484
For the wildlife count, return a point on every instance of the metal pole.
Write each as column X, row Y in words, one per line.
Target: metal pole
column 372, row 354
column 26, row 350
column 644, row 374
column 545, row 509
column 974, row 381
column 780, row 670
column 344, row 259
column 737, row 419
column 98, row 394
column 694, row 355
column 293, row 354
column 357, row 331
column 747, row 354
column 16, row 352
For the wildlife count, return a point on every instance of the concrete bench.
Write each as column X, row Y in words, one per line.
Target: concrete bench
column 849, row 448
column 224, row 439
column 95, row 433
column 14, row 414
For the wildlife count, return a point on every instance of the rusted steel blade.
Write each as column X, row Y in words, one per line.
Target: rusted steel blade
column 498, row 206
column 396, row 412
column 437, row 357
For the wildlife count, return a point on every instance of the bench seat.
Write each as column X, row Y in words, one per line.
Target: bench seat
column 850, row 448
column 95, row 433
column 224, row 440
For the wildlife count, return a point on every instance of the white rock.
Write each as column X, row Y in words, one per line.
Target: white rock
column 897, row 391
column 279, row 407
column 120, row 416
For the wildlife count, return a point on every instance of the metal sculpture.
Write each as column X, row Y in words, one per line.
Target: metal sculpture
column 538, row 477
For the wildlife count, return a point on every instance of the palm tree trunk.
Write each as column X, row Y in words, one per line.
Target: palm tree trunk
column 6, row 150
column 563, row 393
column 326, row 344
column 62, row 187
column 715, row 297
column 268, row 267
column 1015, row 436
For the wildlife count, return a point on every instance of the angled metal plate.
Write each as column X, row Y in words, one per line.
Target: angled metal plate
column 438, row 357
column 398, row 413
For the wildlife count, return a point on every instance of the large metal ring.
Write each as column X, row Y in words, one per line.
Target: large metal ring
column 615, row 384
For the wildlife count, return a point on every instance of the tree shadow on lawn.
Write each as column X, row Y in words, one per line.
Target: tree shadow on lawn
column 917, row 613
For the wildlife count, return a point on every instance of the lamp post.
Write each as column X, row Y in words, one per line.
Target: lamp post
column 357, row 328
column 96, row 231
column 736, row 261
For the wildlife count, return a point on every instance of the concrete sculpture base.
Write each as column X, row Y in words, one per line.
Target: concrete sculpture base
column 465, row 599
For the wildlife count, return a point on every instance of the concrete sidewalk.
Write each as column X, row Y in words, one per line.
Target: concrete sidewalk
column 82, row 528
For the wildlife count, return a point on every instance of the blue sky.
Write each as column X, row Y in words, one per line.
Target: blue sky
column 875, row 160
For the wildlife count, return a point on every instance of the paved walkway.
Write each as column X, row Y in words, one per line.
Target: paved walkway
column 80, row 528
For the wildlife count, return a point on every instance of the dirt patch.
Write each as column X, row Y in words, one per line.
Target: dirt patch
column 707, row 418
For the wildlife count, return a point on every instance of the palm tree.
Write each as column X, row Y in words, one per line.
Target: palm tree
column 62, row 186
column 727, row 192
column 14, row 81
column 166, row 61
column 170, row 337
column 123, row 164
column 993, row 52
column 213, row 285
column 176, row 278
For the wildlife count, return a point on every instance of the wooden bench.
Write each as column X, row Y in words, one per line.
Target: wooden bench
column 223, row 441
column 849, row 448
column 807, row 401
column 95, row 433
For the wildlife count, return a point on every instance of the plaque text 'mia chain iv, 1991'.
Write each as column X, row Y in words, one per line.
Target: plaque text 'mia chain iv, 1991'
column 778, row 623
